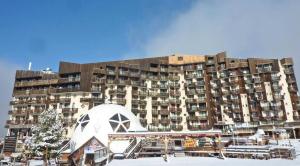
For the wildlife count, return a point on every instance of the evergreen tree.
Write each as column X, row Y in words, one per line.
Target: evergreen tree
column 47, row 134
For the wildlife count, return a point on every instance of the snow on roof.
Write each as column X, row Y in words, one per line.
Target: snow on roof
column 102, row 120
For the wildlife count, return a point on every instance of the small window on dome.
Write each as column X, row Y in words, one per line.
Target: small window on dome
column 121, row 129
column 114, row 125
column 84, row 124
column 127, row 124
column 115, row 117
column 123, row 118
column 86, row 118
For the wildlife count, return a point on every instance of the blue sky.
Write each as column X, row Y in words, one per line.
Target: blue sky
column 46, row 32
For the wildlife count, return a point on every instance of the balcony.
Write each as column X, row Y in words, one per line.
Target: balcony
column 189, row 76
column 174, row 78
column 164, row 94
column 134, row 74
column 135, row 83
column 69, row 121
column 176, row 127
column 211, row 69
column 154, row 86
column 190, row 84
column 200, row 91
column 143, row 121
column 164, row 103
column 292, row 88
column 143, row 102
column 164, row 112
column 155, row 112
column 163, row 86
column 175, row 93
column 291, row 80
column 123, row 82
column 174, row 85
column 121, row 91
column 135, row 101
column 143, row 111
column 175, row 101
column 135, row 111
column 142, row 93
column 69, row 80
column 275, row 78
column 154, row 78
column 96, row 80
column 165, row 121
column 98, row 71
column 176, row 119
column 155, row 103
column 96, row 89
column 164, row 78
column 69, row 110
column 110, row 72
column 155, row 121
column 37, row 111
column 123, row 73
column 190, row 100
column 190, row 92
column 289, row 71
column 175, row 110
column 258, row 89
column 192, row 109
column 121, row 101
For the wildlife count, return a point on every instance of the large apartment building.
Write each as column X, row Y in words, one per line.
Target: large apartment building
column 171, row 93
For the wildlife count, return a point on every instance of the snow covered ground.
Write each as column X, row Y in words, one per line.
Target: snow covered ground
column 208, row 161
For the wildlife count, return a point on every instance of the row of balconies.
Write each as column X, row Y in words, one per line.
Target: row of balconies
column 25, row 112
column 20, row 123
column 92, row 99
column 36, row 83
column 31, row 102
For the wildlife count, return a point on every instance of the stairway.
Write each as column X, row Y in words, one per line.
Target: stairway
column 10, row 143
column 134, row 147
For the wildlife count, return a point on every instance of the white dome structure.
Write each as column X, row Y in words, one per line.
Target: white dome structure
column 102, row 120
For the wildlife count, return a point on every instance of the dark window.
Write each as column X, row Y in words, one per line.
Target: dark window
column 123, row 118
column 115, row 117
column 114, row 125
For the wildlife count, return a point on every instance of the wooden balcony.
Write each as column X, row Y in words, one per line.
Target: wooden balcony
column 36, row 83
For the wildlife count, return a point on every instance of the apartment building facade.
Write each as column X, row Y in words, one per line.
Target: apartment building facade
column 171, row 93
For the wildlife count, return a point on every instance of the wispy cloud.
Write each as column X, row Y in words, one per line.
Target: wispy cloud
column 7, row 73
column 242, row 28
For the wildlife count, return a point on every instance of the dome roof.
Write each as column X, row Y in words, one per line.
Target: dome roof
column 102, row 120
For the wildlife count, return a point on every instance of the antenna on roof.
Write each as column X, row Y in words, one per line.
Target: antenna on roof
column 29, row 66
